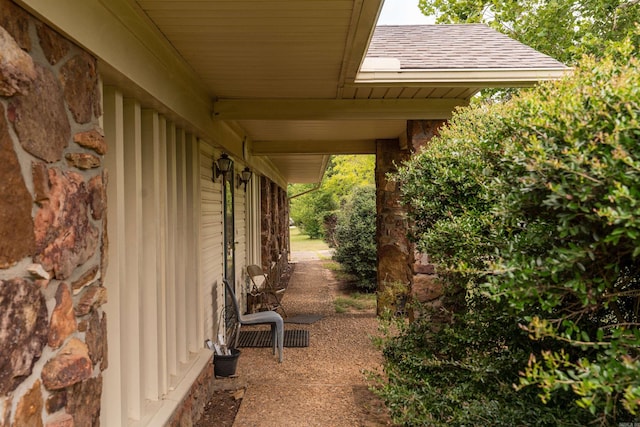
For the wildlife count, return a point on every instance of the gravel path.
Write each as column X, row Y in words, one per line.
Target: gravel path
column 320, row 385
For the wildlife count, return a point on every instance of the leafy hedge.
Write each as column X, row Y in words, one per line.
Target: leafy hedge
column 355, row 237
column 532, row 207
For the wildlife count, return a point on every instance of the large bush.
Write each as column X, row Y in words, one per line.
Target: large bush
column 355, row 237
column 533, row 208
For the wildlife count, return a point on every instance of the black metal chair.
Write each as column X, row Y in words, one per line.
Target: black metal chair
column 261, row 318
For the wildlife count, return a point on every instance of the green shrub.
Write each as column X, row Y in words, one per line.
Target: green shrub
column 464, row 376
column 531, row 207
column 355, row 237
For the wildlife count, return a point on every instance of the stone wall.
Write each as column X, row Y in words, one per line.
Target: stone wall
column 274, row 218
column 426, row 289
column 395, row 252
column 52, row 228
column 191, row 409
column 401, row 270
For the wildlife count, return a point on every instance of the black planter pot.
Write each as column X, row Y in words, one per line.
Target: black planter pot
column 225, row 365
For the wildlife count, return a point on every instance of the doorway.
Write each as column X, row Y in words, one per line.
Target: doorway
column 228, row 219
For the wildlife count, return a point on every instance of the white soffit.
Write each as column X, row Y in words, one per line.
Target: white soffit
column 306, row 168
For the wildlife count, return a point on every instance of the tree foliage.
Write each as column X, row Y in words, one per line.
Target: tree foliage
column 347, row 172
column 315, row 212
column 533, row 207
column 563, row 29
column 311, row 209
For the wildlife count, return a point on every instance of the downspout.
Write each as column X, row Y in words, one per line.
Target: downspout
column 314, row 188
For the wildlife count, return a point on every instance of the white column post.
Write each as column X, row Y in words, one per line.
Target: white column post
column 133, row 238
column 149, row 278
column 114, row 401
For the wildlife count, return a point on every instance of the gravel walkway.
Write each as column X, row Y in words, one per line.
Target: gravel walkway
column 320, row 385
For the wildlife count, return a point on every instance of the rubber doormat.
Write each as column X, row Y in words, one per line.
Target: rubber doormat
column 292, row 338
column 303, row 318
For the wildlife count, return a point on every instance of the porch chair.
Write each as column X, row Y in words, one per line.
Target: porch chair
column 260, row 318
column 261, row 282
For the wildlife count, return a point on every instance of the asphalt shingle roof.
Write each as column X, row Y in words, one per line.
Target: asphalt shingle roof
column 456, row 46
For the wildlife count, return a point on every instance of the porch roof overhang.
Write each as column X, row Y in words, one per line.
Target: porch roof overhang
column 283, row 84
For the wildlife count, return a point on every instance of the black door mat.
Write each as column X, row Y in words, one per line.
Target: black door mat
column 303, row 318
column 292, row 338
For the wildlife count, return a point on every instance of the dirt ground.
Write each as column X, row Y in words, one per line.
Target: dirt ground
column 320, row 385
column 222, row 408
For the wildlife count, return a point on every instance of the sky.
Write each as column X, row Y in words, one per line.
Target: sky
column 396, row 12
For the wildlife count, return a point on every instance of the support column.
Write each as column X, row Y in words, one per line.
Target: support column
column 400, row 271
column 395, row 252
column 275, row 228
column 425, row 288
column 266, row 219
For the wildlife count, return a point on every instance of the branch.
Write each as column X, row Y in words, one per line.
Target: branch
column 628, row 4
column 621, row 7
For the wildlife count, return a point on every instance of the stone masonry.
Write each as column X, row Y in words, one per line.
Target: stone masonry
column 395, row 251
column 425, row 288
column 192, row 407
column 52, row 222
column 399, row 265
column 274, row 218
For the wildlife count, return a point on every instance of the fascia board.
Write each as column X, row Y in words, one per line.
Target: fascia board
column 363, row 23
column 335, row 109
column 460, row 77
column 263, row 166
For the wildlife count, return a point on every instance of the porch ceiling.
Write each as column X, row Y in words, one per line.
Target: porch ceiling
column 288, row 72
column 254, row 50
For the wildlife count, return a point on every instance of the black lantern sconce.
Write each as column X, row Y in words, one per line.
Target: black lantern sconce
column 221, row 166
column 244, row 177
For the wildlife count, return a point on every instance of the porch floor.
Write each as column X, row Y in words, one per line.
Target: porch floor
column 320, row 385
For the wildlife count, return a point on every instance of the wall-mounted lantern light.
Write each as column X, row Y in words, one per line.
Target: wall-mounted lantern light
column 244, row 177
column 221, row 166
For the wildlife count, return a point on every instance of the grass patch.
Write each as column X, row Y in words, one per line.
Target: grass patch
column 333, row 266
column 356, row 301
column 338, row 272
column 301, row 242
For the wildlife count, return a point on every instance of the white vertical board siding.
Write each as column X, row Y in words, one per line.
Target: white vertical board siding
column 162, row 265
column 181, row 247
column 114, row 405
column 240, row 210
column 156, row 314
column 150, row 245
column 133, row 237
column 211, row 256
column 172, row 232
column 192, row 213
column 253, row 221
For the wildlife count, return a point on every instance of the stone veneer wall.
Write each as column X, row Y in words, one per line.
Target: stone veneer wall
column 274, row 214
column 193, row 406
column 52, row 228
column 398, row 262
column 425, row 288
column 395, row 251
